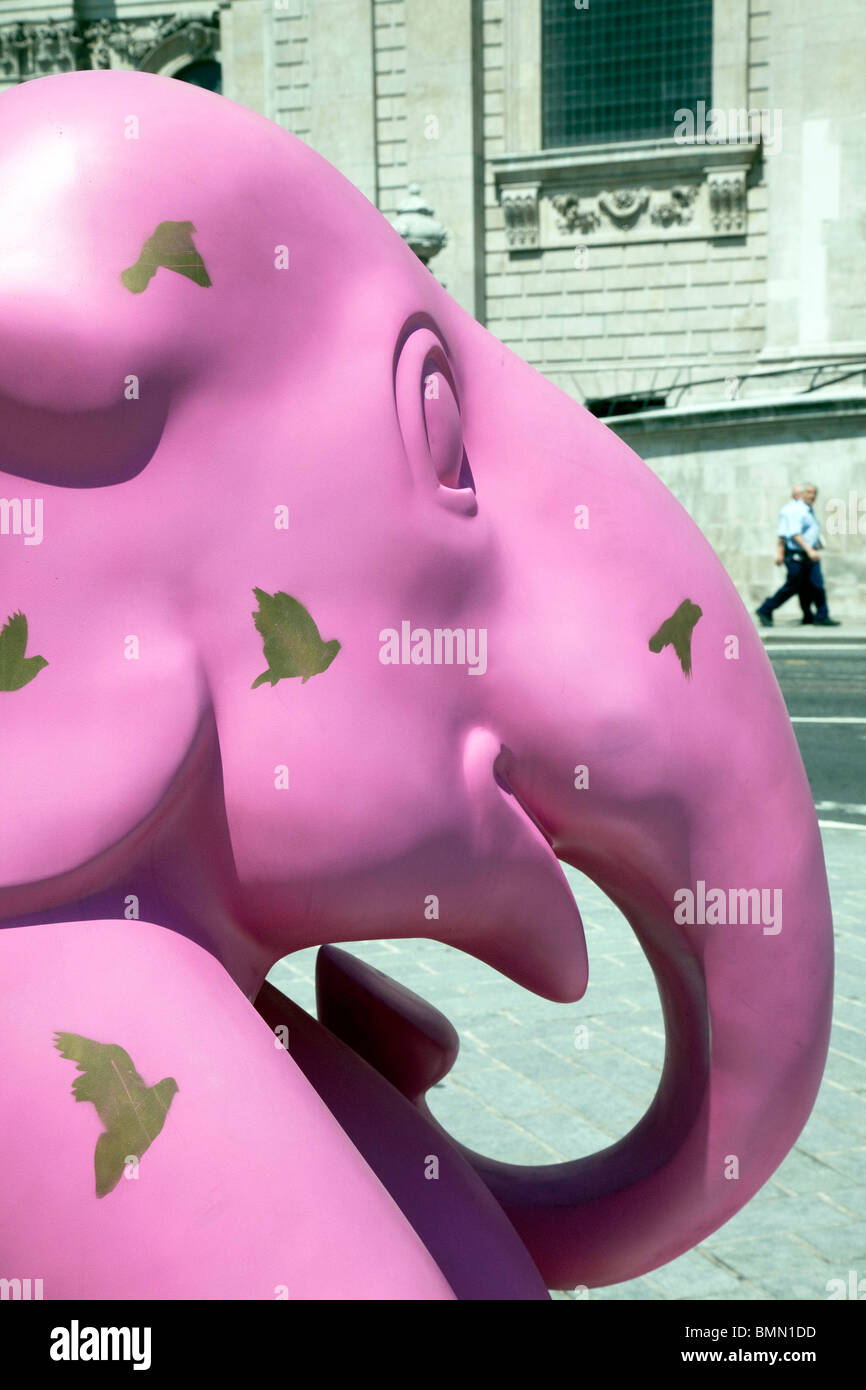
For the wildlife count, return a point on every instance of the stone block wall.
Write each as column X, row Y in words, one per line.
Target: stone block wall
column 389, row 40
column 733, row 472
column 291, row 60
column 631, row 317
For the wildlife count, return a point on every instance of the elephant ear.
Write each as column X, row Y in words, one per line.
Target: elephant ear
column 88, row 372
column 106, row 436
column 104, row 309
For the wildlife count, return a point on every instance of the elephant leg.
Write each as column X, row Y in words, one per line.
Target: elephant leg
column 237, row 1181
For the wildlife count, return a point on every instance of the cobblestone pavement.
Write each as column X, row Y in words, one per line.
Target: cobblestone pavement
column 529, row 1087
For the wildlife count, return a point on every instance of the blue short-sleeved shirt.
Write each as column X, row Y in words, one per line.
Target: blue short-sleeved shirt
column 797, row 519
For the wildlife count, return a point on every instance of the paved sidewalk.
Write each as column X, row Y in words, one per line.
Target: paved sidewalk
column 791, row 629
column 522, row 1090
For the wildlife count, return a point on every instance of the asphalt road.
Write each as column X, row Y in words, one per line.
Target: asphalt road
column 823, row 680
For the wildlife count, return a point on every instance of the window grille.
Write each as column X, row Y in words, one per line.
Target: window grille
column 620, row 69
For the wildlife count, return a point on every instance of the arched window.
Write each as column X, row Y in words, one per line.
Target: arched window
column 204, row 74
column 620, row 69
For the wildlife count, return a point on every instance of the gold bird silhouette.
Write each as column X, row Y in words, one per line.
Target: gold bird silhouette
column 133, row 1114
column 676, row 631
column 292, row 644
column 171, row 246
column 16, row 669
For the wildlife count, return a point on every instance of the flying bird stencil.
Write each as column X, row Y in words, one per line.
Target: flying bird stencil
column 16, row 669
column 292, row 644
column 171, row 246
column 676, row 631
column 133, row 1114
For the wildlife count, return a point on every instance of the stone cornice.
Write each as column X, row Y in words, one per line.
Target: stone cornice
column 733, row 415
column 637, row 159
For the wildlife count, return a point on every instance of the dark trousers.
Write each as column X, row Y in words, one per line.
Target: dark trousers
column 816, row 586
column 804, row 578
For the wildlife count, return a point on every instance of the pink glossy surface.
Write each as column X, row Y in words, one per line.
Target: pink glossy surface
column 251, row 1191
column 304, row 388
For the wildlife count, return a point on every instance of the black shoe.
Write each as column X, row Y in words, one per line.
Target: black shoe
column 807, row 622
column 827, row 622
column 765, row 619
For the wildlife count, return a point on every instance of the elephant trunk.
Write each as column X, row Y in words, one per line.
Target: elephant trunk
column 744, row 973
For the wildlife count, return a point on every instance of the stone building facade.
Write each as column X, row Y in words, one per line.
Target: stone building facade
column 661, row 207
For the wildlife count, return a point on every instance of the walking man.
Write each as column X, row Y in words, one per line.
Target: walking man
column 802, row 562
column 789, row 518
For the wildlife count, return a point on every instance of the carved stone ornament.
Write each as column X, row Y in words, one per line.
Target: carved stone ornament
column 115, row 42
column 714, row 208
column 520, row 208
column 727, row 190
column 666, row 192
column 417, row 225
column 35, row 50
column 573, row 218
column 678, row 207
column 625, row 206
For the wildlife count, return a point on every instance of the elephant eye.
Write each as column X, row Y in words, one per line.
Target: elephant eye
column 428, row 410
column 442, row 423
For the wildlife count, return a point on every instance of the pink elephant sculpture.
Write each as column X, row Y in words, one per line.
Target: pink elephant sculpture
column 326, row 618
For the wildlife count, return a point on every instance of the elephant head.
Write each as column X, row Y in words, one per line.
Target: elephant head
column 352, row 625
